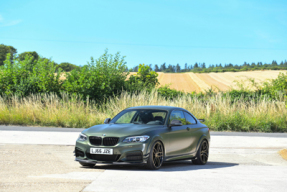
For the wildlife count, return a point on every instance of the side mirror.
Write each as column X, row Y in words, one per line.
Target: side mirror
column 107, row 120
column 201, row 120
column 175, row 123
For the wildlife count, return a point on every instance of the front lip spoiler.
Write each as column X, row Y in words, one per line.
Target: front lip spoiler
column 111, row 163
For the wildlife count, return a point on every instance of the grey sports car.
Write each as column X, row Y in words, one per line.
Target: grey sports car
column 146, row 135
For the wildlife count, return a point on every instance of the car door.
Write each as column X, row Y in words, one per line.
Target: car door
column 193, row 131
column 179, row 137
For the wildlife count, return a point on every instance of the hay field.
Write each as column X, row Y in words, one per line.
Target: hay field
column 198, row 82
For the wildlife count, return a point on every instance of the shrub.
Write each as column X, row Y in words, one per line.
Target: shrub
column 276, row 87
column 169, row 93
column 144, row 79
column 25, row 77
column 99, row 79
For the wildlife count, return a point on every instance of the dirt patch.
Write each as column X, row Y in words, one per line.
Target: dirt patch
column 283, row 153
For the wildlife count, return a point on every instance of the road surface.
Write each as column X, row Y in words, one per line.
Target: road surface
column 41, row 159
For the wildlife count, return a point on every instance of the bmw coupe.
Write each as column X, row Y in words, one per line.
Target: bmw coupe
column 146, row 135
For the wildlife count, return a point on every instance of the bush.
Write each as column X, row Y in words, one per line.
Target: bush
column 68, row 66
column 276, row 87
column 25, row 77
column 169, row 93
column 144, row 79
column 101, row 78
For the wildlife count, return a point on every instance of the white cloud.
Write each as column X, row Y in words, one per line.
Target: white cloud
column 4, row 23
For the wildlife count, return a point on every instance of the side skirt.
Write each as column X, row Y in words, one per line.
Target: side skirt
column 181, row 157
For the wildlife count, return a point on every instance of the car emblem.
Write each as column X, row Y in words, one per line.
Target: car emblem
column 104, row 134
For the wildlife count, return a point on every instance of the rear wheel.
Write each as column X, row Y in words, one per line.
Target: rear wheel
column 202, row 154
column 156, row 155
column 87, row 164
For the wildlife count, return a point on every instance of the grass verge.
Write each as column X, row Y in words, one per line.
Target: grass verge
column 221, row 113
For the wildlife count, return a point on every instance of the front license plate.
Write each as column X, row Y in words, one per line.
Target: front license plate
column 102, row 151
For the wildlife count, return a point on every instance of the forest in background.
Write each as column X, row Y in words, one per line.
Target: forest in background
column 166, row 68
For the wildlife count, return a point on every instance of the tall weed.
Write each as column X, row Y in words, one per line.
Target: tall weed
column 221, row 112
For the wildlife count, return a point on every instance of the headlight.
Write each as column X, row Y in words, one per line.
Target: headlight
column 82, row 137
column 136, row 139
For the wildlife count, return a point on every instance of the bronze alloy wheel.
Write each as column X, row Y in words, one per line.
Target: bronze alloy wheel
column 156, row 156
column 202, row 154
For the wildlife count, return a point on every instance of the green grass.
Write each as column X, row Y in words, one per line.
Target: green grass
column 221, row 113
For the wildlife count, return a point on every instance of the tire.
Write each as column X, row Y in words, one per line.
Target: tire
column 202, row 154
column 156, row 156
column 87, row 164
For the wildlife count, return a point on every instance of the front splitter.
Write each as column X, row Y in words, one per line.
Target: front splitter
column 110, row 163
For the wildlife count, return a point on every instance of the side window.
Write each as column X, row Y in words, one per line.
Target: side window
column 189, row 119
column 159, row 116
column 177, row 115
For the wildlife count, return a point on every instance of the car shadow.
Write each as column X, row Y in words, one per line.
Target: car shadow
column 166, row 167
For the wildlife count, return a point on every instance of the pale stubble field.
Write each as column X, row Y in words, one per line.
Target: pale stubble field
column 199, row 82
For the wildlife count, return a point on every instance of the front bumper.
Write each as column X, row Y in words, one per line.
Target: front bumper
column 123, row 153
column 113, row 163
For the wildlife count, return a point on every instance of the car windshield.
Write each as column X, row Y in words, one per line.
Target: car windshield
column 141, row 116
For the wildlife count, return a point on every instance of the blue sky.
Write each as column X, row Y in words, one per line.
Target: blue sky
column 148, row 31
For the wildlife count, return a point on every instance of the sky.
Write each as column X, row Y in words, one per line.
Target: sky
column 148, row 31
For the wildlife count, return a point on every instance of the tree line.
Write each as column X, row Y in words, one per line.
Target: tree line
column 98, row 80
column 166, row 68
column 5, row 49
column 202, row 68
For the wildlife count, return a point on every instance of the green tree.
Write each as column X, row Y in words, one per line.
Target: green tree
column 177, row 68
column 68, row 66
column 274, row 63
column 4, row 50
column 33, row 54
column 32, row 57
column 144, row 79
column 99, row 79
column 163, row 67
column 21, row 78
column 156, row 69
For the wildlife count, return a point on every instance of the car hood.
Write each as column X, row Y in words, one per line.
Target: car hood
column 119, row 130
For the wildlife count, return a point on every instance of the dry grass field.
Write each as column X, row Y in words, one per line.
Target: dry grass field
column 198, row 82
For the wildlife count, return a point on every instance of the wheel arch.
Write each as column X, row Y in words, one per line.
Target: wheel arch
column 203, row 137
column 155, row 139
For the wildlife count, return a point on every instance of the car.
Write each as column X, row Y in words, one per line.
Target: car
column 145, row 135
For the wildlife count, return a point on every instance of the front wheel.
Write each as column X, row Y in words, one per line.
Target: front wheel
column 156, row 155
column 202, row 154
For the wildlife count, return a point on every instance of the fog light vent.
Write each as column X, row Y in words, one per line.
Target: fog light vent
column 134, row 156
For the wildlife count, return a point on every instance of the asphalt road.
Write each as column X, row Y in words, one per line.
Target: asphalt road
column 237, row 162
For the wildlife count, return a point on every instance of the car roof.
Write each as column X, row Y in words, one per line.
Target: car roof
column 168, row 108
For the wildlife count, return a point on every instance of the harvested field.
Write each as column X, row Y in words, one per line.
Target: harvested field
column 179, row 81
column 213, row 83
column 199, row 82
